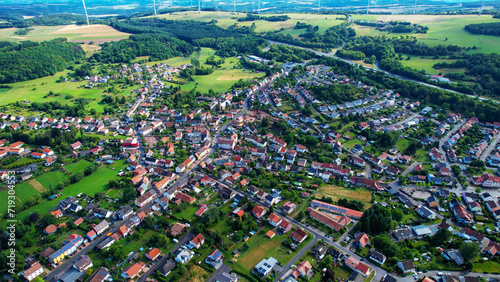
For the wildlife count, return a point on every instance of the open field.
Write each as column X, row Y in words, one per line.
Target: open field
column 51, row 178
column 225, row 19
column 195, row 274
column 359, row 195
column 425, row 64
column 266, row 247
column 78, row 166
column 97, row 33
column 441, row 27
column 38, row 187
column 34, row 91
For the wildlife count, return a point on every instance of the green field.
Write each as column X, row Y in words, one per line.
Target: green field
column 441, row 27
column 225, row 19
column 51, row 178
column 98, row 33
column 23, row 192
column 34, row 91
column 78, row 166
column 425, row 64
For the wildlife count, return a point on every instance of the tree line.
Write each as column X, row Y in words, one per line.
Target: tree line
column 484, row 28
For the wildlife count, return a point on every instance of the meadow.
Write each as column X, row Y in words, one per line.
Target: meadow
column 97, row 33
column 424, row 63
column 443, row 29
column 35, row 90
column 336, row 192
column 226, row 19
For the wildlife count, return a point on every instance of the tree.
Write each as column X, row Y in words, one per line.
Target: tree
column 149, row 222
column 326, row 262
column 301, row 215
column 48, row 219
column 469, row 250
column 441, row 236
column 113, row 183
column 397, row 215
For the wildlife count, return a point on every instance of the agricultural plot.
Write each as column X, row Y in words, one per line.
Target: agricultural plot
column 340, row 192
column 225, row 19
column 78, row 166
column 97, row 33
column 443, row 29
column 51, row 179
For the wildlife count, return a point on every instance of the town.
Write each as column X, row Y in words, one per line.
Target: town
column 285, row 179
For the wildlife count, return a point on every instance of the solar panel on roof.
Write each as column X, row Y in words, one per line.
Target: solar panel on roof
column 342, row 210
column 333, row 208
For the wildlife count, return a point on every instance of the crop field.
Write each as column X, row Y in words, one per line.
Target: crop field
column 34, row 91
column 359, row 195
column 443, row 29
column 225, row 19
column 97, row 33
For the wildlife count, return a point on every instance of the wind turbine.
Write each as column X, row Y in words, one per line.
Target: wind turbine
column 199, row 6
column 259, row 7
column 154, row 6
column 415, row 9
column 86, row 15
column 368, row 7
column 319, row 5
column 234, row 3
column 481, row 9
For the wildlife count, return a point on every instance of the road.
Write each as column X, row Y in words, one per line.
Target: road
column 319, row 53
column 223, row 268
column 490, row 148
column 443, row 153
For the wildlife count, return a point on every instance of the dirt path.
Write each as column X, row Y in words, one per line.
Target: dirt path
column 37, row 186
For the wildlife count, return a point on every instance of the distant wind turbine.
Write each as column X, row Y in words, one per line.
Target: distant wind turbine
column 481, row 9
column 368, row 7
column 415, row 9
column 234, row 3
column 259, row 7
column 154, row 6
column 199, row 6
column 86, row 15
column 319, row 5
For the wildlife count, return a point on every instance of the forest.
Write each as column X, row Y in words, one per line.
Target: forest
column 333, row 37
column 29, row 60
column 48, row 20
column 158, row 46
column 227, row 42
column 484, row 28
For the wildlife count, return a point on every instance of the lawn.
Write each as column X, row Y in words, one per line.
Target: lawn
column 188, row 214
column 94, row 183
column 23, row 192
column 443, row 29
column 266, row 247
column 351, row 143
column 402, row 144
column 342, row 273
column 486, row 267
column 51, row 178
column 77, row 167
column 357, row 194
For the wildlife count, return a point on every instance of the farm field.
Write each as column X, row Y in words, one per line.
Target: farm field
column 225, row 19
column 441, row 27
column 97, row 33
column 34, row 91
column 51, row 178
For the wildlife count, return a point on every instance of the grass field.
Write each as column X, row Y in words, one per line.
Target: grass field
column 51, row 178
column 359, row 195
column 266, row 247
column 34, row 91
column 225, row 19
column 38, row 187
column 97, row 33
column 441, row 27
column 425, row 64
column 78, row 166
